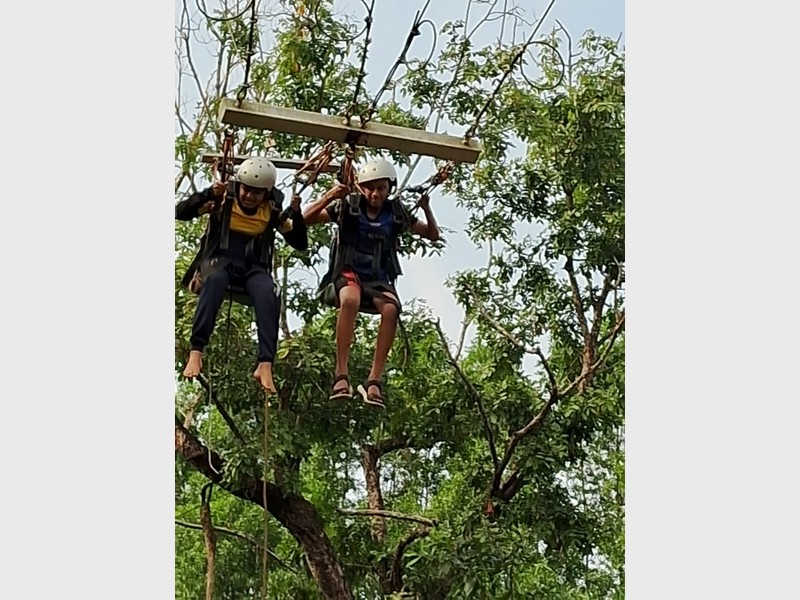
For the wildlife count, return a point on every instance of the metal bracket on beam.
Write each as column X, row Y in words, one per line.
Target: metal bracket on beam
column 329, row 127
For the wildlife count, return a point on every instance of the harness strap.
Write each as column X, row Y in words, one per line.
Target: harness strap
column 343, row 246
column 268, row 237
column 227, row 209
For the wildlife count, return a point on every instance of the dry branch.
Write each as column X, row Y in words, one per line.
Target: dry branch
column 237, row 534
column 386, row 514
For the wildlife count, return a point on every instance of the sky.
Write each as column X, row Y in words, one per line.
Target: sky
column 424, row 277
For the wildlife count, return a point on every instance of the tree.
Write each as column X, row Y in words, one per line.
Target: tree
column 486, row 477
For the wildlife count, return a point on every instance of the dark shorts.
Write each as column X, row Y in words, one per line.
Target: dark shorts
column 369, row 291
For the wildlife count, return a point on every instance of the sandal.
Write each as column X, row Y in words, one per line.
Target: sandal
column 344, row 393
column 371, row 399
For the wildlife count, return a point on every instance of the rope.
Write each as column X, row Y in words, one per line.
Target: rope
column 347, row 174
column 314, row 25
column 265, row 569
column 227, row 155
column 367, row 115
column 361, row 73
column 446, row 170
column 319, row 161
column 471, row 131
column 220, row 19
column 227, row 329
column 242, row 93
column 322, row 159
column 434, row 180
column 315, row 164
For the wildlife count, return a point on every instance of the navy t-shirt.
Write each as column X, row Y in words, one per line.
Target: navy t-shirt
column 365, row 248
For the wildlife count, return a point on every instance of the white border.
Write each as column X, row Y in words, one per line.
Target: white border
column 712, row 415
column 87, row 240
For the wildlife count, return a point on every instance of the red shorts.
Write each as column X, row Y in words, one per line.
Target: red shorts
column 369, row 290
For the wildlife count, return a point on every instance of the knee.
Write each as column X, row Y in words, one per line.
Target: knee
column 262, row 284
column 214, row 283
column 218, row 278
column 349, row 298
column 389, row 311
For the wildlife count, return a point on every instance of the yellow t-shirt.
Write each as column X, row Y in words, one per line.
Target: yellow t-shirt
column 255, row 225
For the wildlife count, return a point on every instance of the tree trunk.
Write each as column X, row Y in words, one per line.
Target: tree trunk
column 369, row 460
column 294, row 512
column 588, row 358
column 210, row 541
column 374, row 496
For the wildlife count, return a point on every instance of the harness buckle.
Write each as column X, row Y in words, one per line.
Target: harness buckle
column 353, row 204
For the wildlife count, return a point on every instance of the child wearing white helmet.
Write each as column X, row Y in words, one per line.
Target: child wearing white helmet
column 236, row 250
column 365, row 265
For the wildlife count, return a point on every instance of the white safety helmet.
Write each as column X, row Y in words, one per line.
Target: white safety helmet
column 377, row 169
column 257, row 172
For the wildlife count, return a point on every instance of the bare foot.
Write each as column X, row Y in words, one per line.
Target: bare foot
column 263, row 374
column 194, row 365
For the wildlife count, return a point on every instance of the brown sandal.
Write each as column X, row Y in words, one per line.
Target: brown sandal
column 344, row 393
column 371, row 399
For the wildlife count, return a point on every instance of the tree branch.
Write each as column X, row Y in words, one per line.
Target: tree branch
column 241, row 536
column 184, row 126
column 231, row 423
column 500, row 329
column 189, row 416
column 386, row 514
column 510, row 486
column 396, row 575
column 518, row 435
column 372, row 480
column 476, row 396
column 209, row 540
column 182, row 121
column 577, row 302
column 200, row 91
column 179, row 181
column 598, row 305
column 210, row 464
column 464, row 326
column 521, row 433
column 595, row 365
column 515, row 340
column 550, row 375
column 294, row 512
column 389, row 445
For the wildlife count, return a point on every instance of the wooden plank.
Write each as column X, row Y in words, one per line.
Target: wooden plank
column 329, row 127
column 281, row 163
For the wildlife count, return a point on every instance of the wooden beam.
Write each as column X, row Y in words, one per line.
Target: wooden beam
column 281, row 163
column 329, row 127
